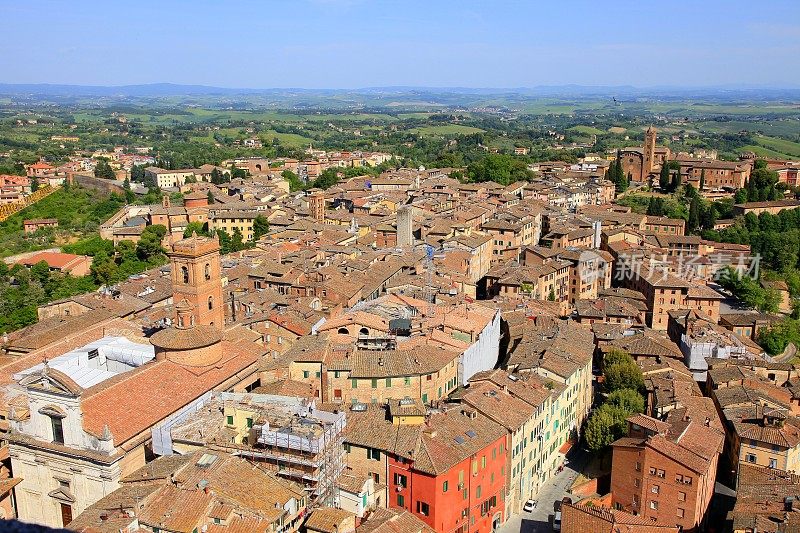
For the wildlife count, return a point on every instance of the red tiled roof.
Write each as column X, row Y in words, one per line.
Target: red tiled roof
column 141, row 398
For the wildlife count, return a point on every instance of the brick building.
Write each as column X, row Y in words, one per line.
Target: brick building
column 666, row 471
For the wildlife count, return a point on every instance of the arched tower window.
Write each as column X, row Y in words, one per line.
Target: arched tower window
column 343, row 331
column 363, row 331
column 210, row 302
column 208, row 272
column 185, row 273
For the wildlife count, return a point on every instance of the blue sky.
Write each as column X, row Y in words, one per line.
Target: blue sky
column 366, row 43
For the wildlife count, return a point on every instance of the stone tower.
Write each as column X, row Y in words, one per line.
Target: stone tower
column 197, row 279
column 649, row 151
column 316, row 205
column 405, row 220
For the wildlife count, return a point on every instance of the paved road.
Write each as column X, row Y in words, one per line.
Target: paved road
column 539, row 521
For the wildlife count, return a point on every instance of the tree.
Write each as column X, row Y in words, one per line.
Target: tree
column 149, row 244
column 552, row 296
column 607, row 424
column 702, row 179
column 294, row 181
column 260, row 227
column 41, row 272
column 627, row 399
column 195, row 227
column 500, row 168
column 103, row 269
column 664, row 178
column 621, row 372
column 35, row 184
column 210, row 198
column 103, row 170
column 676, row 179
column 237, row 240
column 694, row 215
column 741, row 196
column 327, row 179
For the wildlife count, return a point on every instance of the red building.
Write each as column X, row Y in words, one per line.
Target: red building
column 457, row 479
column 666, row 471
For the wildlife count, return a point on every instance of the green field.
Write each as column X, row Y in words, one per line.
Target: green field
column 780, row 145
column 446, row 129
column 587, row 130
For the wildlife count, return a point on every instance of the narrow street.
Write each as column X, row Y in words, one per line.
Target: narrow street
column 539, row 521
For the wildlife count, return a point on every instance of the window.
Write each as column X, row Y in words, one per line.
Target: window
column 652, row 471
column 400, row 480
column 336, row 374
column 208, row 272
column 423, row 508
column 425, row 398
column 347, row 447
column 654, row 489
column 58, row 429
column 478, row 492
column 354, row 383
column 681, row 496
column 444, row 486
column 374, row 383
column 185, row 273
column 638, row 466
column 660, row 473
column 687, row 480
column 373, row 453
column 636, row 482
column 407, row 381
column 229, row 420
column 306, row 373
column 388, row 382
column 773, row 463
column 681, row 513
column 653, row 505
column 210, row 303
column 249, row 422
column 401, row 501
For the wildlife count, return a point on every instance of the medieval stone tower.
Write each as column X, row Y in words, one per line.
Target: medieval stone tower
column 196, row 278
column 649, row 150
column 316, row 205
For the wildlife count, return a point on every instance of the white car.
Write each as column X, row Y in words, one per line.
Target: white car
column 529, row 506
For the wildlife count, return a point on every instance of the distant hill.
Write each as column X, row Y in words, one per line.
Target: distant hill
column 171, row 89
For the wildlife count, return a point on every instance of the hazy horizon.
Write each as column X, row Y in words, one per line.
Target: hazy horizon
column 357, row 44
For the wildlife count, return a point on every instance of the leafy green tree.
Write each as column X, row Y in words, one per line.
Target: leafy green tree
column 627, row 399
column 149, row 244
column 620, row 371
column 694, row 215
column 500, row 168
column 326, row 179
column 35, row 184
column 260, row 227
column 607, row 424
column 676, row 179
column 664, row 181
column 740, row 197
column 41, row 272
column 103, row 170
column 104, row 269
column 552, row 296
column 294, row 181
column 199, row 228
column 210, row 198
column 237, row 241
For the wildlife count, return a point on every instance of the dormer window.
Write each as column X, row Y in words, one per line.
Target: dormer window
column 58, row 429
column 56, row 417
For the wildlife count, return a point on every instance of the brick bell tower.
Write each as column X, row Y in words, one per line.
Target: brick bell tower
column 197, row 278
column 649, row 151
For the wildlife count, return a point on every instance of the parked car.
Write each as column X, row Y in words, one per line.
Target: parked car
column 529, row 506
